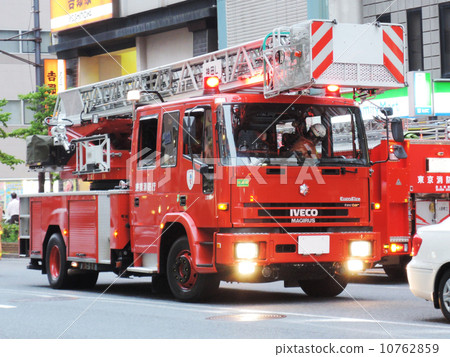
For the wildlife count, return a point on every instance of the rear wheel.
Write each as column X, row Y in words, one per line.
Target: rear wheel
column 444, row 294
column 329, row 286
column 184, row 280
column 56, row 263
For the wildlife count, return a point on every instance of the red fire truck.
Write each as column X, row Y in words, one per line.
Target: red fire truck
column 410, row 193
column 211, row 185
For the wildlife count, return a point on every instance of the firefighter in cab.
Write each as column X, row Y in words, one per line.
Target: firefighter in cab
column 306, row 144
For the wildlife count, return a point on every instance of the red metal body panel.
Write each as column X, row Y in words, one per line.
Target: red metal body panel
column 83, row 222
column 119, row 232
column 36, row 227
column 76, row 217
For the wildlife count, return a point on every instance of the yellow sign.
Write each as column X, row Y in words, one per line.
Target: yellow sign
column 67, row 14
column 55, row 74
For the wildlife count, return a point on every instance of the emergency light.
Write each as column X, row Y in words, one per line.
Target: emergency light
column 211, row 85
column 333, row 90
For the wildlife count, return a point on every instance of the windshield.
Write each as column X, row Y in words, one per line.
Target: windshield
column 290, row 135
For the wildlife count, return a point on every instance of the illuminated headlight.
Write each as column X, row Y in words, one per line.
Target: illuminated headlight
column 360, row 249
column 246, row 250
column 246, row 268
column 355, row 265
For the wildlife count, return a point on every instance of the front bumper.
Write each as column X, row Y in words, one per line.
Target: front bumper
column 283, row 248
column 421, row 279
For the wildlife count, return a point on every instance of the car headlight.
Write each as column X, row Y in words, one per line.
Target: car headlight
column 360, row 248
column 246, row 250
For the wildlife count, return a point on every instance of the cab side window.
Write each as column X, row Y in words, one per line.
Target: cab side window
column 169, row 139
column 147, row 141
column 198, row 134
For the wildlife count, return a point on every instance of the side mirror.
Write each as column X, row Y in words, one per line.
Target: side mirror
column 204, row 169
column 397, row 130
column 387, row 111
column 399, row 152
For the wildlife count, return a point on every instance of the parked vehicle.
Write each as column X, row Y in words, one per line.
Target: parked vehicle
column 429, row 269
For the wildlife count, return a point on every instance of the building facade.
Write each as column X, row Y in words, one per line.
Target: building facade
column 18, row 77
column 427, row 24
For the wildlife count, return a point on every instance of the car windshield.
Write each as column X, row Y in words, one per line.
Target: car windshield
column 290, row 135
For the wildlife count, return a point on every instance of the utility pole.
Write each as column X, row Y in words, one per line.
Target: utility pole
column 37, row 44
column 39, row 70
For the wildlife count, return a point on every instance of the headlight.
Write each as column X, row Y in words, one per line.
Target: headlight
column 246, row 250
column 360, row 249
column 355, row 265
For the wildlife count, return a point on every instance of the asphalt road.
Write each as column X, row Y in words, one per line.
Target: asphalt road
column 371, row 308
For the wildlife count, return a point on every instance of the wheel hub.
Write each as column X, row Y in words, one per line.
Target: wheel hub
column 54, row 262
column 183, row 270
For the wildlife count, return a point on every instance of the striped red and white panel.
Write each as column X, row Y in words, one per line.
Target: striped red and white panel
column 322, row 47
column 393, row 56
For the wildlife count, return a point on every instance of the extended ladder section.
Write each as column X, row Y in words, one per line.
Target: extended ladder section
column 313, row 53
column 235, row 66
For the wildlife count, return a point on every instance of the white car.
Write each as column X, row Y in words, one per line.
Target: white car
column 429, row 269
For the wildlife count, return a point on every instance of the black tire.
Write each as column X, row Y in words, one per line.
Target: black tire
column 325, row 287
column 56, row 263
column 184, row 281
column 444, row 294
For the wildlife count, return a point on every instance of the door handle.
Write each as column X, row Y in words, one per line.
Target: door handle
column 136, row 202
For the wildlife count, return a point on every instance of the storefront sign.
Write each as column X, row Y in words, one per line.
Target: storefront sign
column 55, row 74
column 67, row 14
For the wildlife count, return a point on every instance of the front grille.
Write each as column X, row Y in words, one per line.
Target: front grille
column 302, row 213
column 302, row 220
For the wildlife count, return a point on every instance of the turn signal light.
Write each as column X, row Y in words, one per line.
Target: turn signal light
column 222, row 206
column 398, row 248
column 376, row 206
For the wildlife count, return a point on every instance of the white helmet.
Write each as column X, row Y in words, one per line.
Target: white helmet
column 318, row 130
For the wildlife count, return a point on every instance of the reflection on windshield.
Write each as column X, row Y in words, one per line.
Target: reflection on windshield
column 282, row 134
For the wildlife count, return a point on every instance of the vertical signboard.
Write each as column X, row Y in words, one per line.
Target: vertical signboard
column 420, row 94
column 55, row 74
column 67, row 14
column 442, row 97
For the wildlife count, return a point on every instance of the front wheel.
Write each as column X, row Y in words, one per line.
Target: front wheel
column 444, row 294
column 56, row 263
column 330, row 286
column 184, row 280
